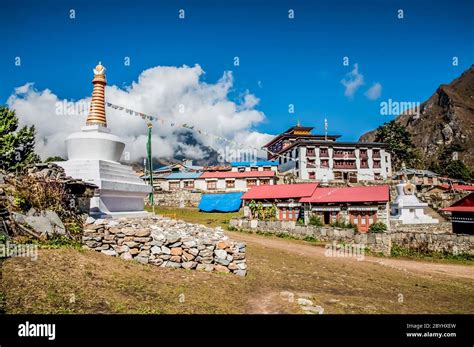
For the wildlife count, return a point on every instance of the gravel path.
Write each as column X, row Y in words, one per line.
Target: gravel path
column 308, row 250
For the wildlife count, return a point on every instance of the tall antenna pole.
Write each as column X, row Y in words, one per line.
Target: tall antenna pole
column 151, row 197
column 325, row 129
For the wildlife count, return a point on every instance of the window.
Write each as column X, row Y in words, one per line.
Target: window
column 323, row 152
column 377, row 164
column 264, row 182
column 430, row 180
column 230, row 184
column 311, row 163
column 211, row 185
column 324, row 163
column 310, row 152
column 363, row 153
column 364, row 164
column 254, row 168
column 241, row 169
column 376, row 153
column 251, row 183
column 189, row 184
column 312, row 175
column 174, row 185
column 267, row 168
column 377, row 176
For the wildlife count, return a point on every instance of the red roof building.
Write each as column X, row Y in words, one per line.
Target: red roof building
column 280, row 191
column 458, row 187
column 361, row 206
column 462, row 215
column 349, row 194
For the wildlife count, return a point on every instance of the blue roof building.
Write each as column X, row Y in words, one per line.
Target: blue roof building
column 254, row 163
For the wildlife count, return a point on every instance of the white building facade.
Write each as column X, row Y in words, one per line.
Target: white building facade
column 322, row 158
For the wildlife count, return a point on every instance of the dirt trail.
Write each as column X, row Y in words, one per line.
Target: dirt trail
column 453, row 270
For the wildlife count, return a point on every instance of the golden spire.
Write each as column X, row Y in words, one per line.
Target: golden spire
column 97, row 110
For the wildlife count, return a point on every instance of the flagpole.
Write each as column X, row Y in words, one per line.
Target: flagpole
column 325, row 129
column 151, row 197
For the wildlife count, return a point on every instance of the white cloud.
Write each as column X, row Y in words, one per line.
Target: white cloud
column 374, row 92
column 352, row 81
column 163, row 91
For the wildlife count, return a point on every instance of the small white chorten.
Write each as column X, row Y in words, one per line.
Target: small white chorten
column 407, row 209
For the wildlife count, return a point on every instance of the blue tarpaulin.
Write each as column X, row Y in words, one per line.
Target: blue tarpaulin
column 228, row 202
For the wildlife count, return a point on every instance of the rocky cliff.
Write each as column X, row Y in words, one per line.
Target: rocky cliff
column 445, row 120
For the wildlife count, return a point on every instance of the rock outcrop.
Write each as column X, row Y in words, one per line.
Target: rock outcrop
column 20, row 215
column 446, row 119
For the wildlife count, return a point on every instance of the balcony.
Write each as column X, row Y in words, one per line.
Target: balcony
column 345, row 165
column 323, row 154
column 345, row 156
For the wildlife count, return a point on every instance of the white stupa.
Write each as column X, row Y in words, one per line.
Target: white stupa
column 93, row 156
column 407, row 209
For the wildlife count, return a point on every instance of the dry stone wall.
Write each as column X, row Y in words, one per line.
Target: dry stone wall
column 166, row 242
column 436, row 240
column 180, row 198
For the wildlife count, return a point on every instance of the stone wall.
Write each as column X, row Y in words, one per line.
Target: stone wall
column 440, row 228
column 379, row 243
column 445, row 243
column 166, row 242
column 421, row 240
column 180, row 198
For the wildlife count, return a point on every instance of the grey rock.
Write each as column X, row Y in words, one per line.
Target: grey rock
column 140, row 259
column 241, row 273
column 155, row 250
column 304, row 302
column 220, row 253
column 89, row 220
column 189, row 264
column 110, row 252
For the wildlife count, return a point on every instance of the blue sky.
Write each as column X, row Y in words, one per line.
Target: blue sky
column 282, row 61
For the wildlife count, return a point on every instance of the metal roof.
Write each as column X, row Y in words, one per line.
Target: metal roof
column 231, row 174
column 254, row 163
column 281, row 191
column 349, row 194
column 183, row 175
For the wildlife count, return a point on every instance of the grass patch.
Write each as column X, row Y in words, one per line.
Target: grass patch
column 193, row 215
column 102, row 284
column 409, row 253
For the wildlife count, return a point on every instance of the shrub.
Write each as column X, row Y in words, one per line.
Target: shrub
column 315, row 220
column 378, row 227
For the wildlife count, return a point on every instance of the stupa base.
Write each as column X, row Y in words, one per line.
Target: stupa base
column 120, row 191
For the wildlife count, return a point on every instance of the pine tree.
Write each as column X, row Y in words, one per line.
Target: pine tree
column 399, row 144
column 16, row 146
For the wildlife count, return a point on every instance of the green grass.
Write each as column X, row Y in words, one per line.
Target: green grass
column 193, row 215
column 402, row 252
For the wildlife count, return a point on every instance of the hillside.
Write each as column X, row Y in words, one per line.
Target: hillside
column 446, row 120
